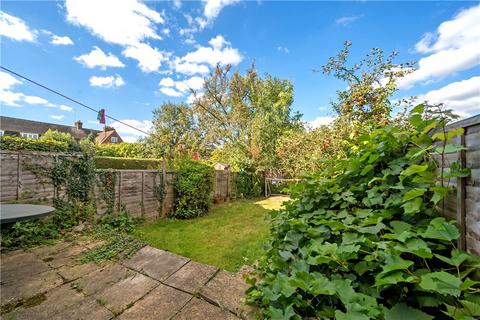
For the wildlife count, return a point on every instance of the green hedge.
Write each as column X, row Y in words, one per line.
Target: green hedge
column 124, row 149
column 193, row 188
column 127, row 163
column 17, row 143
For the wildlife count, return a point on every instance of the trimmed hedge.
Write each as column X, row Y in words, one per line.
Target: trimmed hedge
column 193, row 189
column 17, row 143
column 124, row 150
column 127, row 163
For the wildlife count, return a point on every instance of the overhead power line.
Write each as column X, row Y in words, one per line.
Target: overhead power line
column 71, row 99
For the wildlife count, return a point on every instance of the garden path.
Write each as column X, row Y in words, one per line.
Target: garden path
column 50, row 282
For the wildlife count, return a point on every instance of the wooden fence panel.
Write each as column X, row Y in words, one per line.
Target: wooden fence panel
column 463, row 204
column 9, row 179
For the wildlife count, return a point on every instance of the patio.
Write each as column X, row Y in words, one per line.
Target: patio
column 51, row 282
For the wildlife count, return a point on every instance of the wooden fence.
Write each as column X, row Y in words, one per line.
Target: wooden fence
column 463, row 203
column 134, row 189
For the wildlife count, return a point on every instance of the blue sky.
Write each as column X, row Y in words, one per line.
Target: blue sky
column 130, row 56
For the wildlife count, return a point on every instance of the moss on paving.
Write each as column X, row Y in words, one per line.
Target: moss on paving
column 230, row 236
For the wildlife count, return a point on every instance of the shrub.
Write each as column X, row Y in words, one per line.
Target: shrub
column 124, row 149
column 17, row 144
column 363, row 240
column 248, row 185
column 193, row 188
column 127, row 163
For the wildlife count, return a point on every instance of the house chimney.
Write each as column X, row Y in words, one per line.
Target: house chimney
column 79, row 125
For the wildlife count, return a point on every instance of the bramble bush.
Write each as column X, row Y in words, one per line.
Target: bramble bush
column 193, row 187
column 363, row 239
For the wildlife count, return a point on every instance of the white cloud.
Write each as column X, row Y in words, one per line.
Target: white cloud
column 283, row 49
column 453, row 48
column 214, row 54
column 129, row 134
column 126, row 22
column 98, row 58
column 461, row 96
column 424, row 44
column 15, row 28
column 7, row 81
column 35, row 100
column 194, row 83
column 166, row 31
column 345, row 21
column 177, row 4
column 65, row 108
column 62, row 41
column 171, row 92
column 167, row 82
column 149, row 59
column 320, row 121
column 10, row 98
column 188, row 68
column 107, row 82
column 57, row 117
column 218, row 42
column 173, row 88
column 213, row 7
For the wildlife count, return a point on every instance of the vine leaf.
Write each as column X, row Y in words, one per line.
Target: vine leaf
column 442, row 230
column 401, row 311
column 441, row 282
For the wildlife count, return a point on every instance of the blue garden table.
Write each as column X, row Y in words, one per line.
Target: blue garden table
column 10, row 213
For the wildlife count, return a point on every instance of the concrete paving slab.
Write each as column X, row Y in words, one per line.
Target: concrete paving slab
column 156, row 263
column 125, row 292
column 191, row 277
column 200, row 309
column 99, row 280
column 47, row 250
column 162, row 302
column 27, row 287
column 228, row 291
column 62, row 303
column 70, row 273
column 20, row 265
column 69, row 256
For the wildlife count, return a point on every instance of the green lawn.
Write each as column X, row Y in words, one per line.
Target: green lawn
column 230, row 236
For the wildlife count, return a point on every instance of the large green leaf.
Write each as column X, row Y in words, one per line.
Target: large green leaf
column 413, row 193
column 414, row 168
column 320, row 285
column 458, row 257
column 439, row 193
column 403, row 312
column 417, row 247
column 441, row 282
column 412, row 206
column 440, row 229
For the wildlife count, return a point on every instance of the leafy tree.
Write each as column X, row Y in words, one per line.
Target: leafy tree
column 244, row 116
column 173, row 131
column 371, row 83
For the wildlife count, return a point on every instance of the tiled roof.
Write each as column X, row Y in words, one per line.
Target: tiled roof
column 30, row 126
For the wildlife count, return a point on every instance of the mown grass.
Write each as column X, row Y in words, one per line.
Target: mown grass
column 230, row 236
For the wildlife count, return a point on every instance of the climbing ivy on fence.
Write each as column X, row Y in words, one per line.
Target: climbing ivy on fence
column 106, row 182
column 363, row 239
